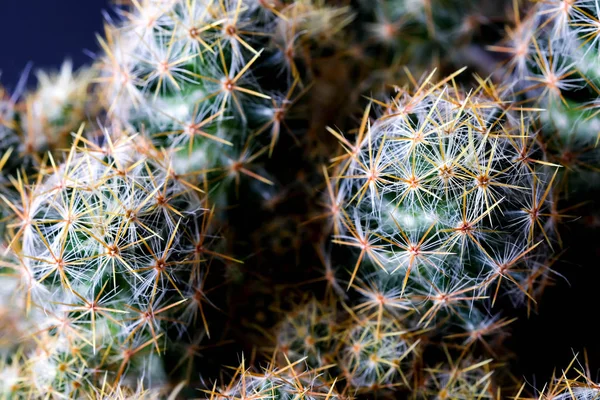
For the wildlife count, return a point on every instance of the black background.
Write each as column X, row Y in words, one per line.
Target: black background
column 46, row 32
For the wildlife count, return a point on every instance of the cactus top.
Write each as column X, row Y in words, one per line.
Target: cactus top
column 445, row 188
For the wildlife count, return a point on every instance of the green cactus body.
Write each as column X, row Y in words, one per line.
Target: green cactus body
column 439, row 191
column 187, row 74
column 110, row 252
column 554, row 65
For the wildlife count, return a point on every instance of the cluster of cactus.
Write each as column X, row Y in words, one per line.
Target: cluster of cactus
column 337, row 197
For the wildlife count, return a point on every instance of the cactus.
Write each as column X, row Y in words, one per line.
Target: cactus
column 437, row 189
column 40, row 121
column 58, row 106
column 274, row 383
column 109, row 250
column 164, row 78
column 420, row 33
column 470, row 379
column 308, row 333
column 192, row 75
column 567, row 385
column 552, row 58
column 376, row 354
column 9, row 140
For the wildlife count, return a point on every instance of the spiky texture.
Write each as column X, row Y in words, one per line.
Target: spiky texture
column 574, row 382
column 280, row 383
column 203, row 119
column 308, row 332
column 449, row 190
column 375, row 355
column 469, row 379
column 110, row 254
column 208, row 80
column 552, row 56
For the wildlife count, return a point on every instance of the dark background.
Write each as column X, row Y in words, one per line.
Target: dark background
column 45, row 32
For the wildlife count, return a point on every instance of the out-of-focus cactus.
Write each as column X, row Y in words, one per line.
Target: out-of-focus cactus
column 421, row 33
column 387, row 37
column 376, row 354
column 308, row 333
column 42, row 120
column 58, row 106
column 14, row 324
column 370, row 351
column 9, row 139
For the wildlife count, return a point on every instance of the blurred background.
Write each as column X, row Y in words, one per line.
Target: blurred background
column 45, row 32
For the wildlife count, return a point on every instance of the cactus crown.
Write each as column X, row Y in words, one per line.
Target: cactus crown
column 446, row 189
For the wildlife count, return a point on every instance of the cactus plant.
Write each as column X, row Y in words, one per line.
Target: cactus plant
column 439, row 190
column 552, row 59
column 109, row 251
